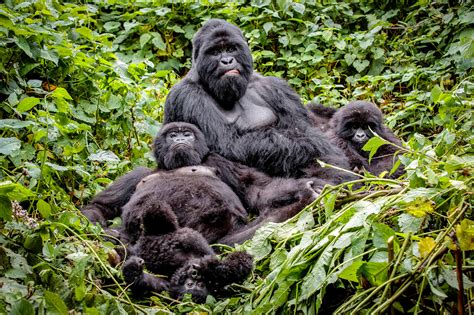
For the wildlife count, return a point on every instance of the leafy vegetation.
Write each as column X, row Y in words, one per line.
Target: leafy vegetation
column 82, row 88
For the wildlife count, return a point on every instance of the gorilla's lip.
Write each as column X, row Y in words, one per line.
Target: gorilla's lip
column 232, row 71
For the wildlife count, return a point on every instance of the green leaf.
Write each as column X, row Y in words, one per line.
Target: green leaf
column 381, row 234
column 5, row 208
column 44, row 209
column 157, row 41
column 54, row 303
column 23, row 44
column 112, row 26
column 436, row 94
column 351, row 273
column 85, row 32
column 22, row 307
column 61, row 93
column 267, row 27
column 15, row 124
column 360, row 65
column 9, row 146
column 27, row 103
column 144, row 39
column 373, row 145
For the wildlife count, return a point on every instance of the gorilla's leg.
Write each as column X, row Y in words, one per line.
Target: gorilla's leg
column 108, row 204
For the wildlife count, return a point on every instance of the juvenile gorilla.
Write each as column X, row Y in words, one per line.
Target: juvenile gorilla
column 182, row 255
column 206, row 197
column 353, row 125
column 246, row 117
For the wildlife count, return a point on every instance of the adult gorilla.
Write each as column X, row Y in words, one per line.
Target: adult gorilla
column 246, row 117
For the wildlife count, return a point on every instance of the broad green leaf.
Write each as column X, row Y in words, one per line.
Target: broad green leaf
column 27, row 103
column 62, row 93
column 23, row 44
column 54, row 303
column 436, row 94
column 360, row 65
column 9, row 146
column 22, row 307
column 85, row 32
column 351, row 273
column 373, row 145
column 158, row 41
column 43, row 208
column 144, row 39
column 381, row 234
column 267, row 27
column 5, row 208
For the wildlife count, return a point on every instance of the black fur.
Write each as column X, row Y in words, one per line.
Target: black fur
column 199, row 199
column 245, row 117
column 183, row 256
column 353, row 125
column 108, row 204
column 212, row 198
column 320, row 115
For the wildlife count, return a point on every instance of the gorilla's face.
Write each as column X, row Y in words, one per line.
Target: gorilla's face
column 178, row 145
column 358, row 133
column 223, row 61
column 357, row 122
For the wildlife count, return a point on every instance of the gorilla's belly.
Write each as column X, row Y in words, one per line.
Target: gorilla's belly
column 250, row 112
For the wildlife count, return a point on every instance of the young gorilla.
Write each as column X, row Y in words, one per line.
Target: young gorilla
column 182, row 255
column 353, row 125
column 206, row 198
column 246, row 117
column 202, row 201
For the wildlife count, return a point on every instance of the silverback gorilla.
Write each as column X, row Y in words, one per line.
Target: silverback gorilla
column 246, row 117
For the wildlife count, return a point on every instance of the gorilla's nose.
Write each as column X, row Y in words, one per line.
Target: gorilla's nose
column 227, row 61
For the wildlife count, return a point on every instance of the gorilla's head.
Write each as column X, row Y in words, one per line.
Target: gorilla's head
column 222, row 60
column 356, row 122
column 179, row 144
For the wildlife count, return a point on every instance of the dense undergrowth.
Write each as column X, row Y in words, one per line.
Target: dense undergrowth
column 82, row 87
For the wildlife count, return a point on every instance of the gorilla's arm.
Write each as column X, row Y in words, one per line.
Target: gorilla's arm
column 273, row 213
column 141, row 283
column 108, row 204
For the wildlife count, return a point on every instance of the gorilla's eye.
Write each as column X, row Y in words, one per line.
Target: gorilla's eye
column 200, row 285
column 215, row 52
column 231, row 49
column 189, row 284
column 172, row 135
column 187, row 133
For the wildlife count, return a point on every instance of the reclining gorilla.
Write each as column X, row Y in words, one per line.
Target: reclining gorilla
column 353, row 125
column 246, row 117
column 206, row 198
column 180, row 254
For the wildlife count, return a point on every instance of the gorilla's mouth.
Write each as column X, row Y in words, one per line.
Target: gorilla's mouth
column 232, row 72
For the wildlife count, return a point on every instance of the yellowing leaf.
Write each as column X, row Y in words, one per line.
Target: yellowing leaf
column 420, row 207
column 465, row 234
column 426, row 245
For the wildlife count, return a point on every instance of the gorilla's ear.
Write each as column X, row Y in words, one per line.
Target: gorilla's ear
column 159, row 220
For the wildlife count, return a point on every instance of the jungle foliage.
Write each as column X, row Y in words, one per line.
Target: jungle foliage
column 82, row 88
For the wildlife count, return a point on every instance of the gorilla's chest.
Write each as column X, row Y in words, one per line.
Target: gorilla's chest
column 250, row 112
